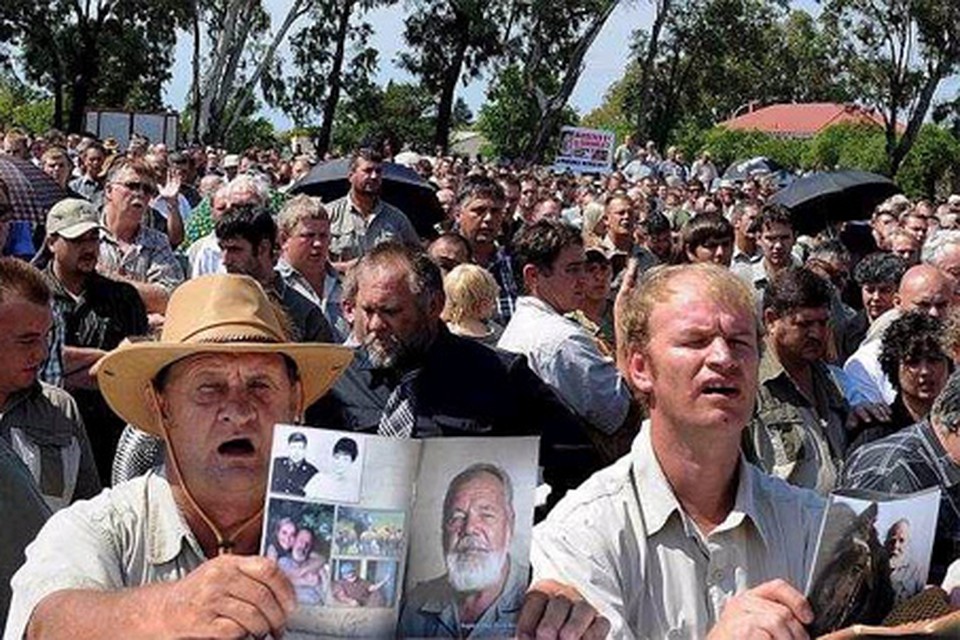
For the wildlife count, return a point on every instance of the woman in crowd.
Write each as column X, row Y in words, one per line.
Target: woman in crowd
column 471, row 293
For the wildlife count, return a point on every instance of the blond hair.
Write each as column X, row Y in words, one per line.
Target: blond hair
column 471, row 293
column 660, row 284
column 299, row 208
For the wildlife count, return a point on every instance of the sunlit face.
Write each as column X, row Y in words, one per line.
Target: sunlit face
column 57, row 168
column 130, row 193
column 285, row 535
column 24, row 331
column 800, row 335
column 906, row 246
column 777, row 240
column 713, row 250
column 367, row 177
column 308, row 247
column 220, row 410
column 240, row 257
column 620, row 217
column 877, row 297
column 597, row 281
column 302, row 545
column 76, row 256
column 93, row 162
column 561, row 286
column 915, row 226
column 699, row 368
column 480, row 220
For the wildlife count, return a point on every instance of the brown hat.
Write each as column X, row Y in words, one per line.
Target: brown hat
column 217, row 313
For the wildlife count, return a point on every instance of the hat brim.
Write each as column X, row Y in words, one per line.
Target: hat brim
column 74, row 231
column 125, row 375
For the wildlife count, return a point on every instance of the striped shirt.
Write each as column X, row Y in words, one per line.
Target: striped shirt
column 911, row 460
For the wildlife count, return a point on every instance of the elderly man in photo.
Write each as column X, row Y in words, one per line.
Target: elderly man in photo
column 167, row 554
column 682, row 538
column 481, row 592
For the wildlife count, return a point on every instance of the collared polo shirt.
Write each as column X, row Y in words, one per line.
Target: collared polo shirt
column 352, row 234
column 625, row 543
column 149, row 258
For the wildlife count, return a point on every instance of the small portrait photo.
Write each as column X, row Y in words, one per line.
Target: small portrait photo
column 364, row 583
column 299, row 537
column 340, row 469
column 367, row 532
column 317, row 464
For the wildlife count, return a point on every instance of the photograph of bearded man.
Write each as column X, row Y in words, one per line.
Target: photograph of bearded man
column 482, row 590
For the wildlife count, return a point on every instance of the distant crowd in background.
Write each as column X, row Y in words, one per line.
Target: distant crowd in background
column 499, row 321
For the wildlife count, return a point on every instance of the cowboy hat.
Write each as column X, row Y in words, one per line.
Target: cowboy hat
column 211, row 314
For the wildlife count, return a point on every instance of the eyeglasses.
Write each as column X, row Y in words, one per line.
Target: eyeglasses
column 143, row 187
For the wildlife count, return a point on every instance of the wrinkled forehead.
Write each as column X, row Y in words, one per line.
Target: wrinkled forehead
column 196, row 367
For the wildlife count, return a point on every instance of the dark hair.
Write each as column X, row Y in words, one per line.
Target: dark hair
column 252, row 223
column 364, row 153
column 772, row 214
column 656, row 224
column 22, row 280
column 704, row 228
column 880, row 268
column 479, row 187
column 911, row 337
column 347, row 446
column 830, row 249
column 455, row 238
column 540, row 244
column 296, row 436
column 795, row 288
column 426, row 280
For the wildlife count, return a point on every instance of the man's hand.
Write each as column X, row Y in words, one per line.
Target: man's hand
column 553, row 610
column 171, row 189
column 229, row 597
column 771, row 610
column 866, row 414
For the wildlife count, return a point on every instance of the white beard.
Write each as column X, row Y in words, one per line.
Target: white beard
column 471, row 571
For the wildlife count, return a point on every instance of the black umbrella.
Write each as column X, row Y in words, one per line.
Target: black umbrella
column 402, row 187
column 743, row 169
column 821, row 198
column 32, row 192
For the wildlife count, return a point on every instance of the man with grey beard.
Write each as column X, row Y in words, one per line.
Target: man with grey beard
column 481, row 593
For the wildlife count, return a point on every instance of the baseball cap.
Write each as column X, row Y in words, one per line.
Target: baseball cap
column 230, row 161
column 71, row 218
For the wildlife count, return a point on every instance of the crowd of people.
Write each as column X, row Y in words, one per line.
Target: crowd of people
column 701, row 377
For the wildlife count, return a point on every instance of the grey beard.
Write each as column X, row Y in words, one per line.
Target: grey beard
column 474, row 572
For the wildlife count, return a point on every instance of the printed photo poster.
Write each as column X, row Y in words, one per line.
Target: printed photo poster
column 470, row 533
column 585, row 150
column 336, row 519
column 874, row 552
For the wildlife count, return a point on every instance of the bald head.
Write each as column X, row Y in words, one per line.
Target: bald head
column 927, row 289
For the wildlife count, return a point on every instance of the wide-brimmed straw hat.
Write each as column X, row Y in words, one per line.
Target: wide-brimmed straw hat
column 212, row 314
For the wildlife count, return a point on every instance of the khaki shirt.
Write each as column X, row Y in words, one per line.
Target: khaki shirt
column 352, row 235
column 623, row 540
column 128, row 536
column 802, row 440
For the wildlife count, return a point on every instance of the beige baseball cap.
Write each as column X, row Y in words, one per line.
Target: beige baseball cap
column 71, row 218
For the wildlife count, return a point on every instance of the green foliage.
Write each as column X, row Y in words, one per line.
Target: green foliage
column 401, row 109
column 252, row 132
column 610, row 114
column 509, row 118
column 932, row 162
column 848, row 146
column 23, row 107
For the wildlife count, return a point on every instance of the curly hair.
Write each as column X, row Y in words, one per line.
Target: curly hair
column 911, row 337
column 880, row 268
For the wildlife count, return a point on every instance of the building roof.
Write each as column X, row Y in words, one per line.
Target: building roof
column 801, row 120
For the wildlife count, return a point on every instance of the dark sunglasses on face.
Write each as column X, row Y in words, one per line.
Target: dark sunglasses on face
column 143, row 187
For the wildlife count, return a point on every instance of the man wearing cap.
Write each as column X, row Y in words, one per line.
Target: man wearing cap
column 231, row 164
column 168, row 554
column 38, row 421
column 93, row 315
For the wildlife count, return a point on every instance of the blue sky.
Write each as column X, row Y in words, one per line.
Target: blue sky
column 604, row 63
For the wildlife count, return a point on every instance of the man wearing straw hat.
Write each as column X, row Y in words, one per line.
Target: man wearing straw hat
column 169, row 554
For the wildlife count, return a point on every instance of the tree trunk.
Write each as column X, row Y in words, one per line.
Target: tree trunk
column 441, row 137
column 84, row 82
column 897, row 150
column 646, row 68
column 195, row 128
column 334, row 81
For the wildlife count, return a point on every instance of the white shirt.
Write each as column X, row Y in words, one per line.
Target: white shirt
column 205, row 256
column 565, row 356
column 624, row 542
column 868, row 382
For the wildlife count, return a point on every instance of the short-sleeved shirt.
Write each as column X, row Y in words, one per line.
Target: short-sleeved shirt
column 43, row 426
column 352, row 234
column 625, row 543
column 128, row 536
column 149, row 258
column 328, row 300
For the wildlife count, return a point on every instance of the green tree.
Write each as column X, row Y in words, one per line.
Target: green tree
column 450, row 40
column 109, row 53
column 510, row 117
column 898, row 52
column 402, row 110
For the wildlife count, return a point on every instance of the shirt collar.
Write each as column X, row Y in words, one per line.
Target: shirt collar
column 168, row 530
column 507, row 603
column 658, row 502
column 948, row 470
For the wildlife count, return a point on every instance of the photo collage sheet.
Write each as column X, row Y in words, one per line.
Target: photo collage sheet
column 352, row 518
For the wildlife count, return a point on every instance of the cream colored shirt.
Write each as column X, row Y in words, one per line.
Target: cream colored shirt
column 625, row 543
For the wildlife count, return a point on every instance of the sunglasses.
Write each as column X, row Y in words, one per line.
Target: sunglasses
column 142, row 187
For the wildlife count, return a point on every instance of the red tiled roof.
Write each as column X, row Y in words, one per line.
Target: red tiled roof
column 801, row 120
